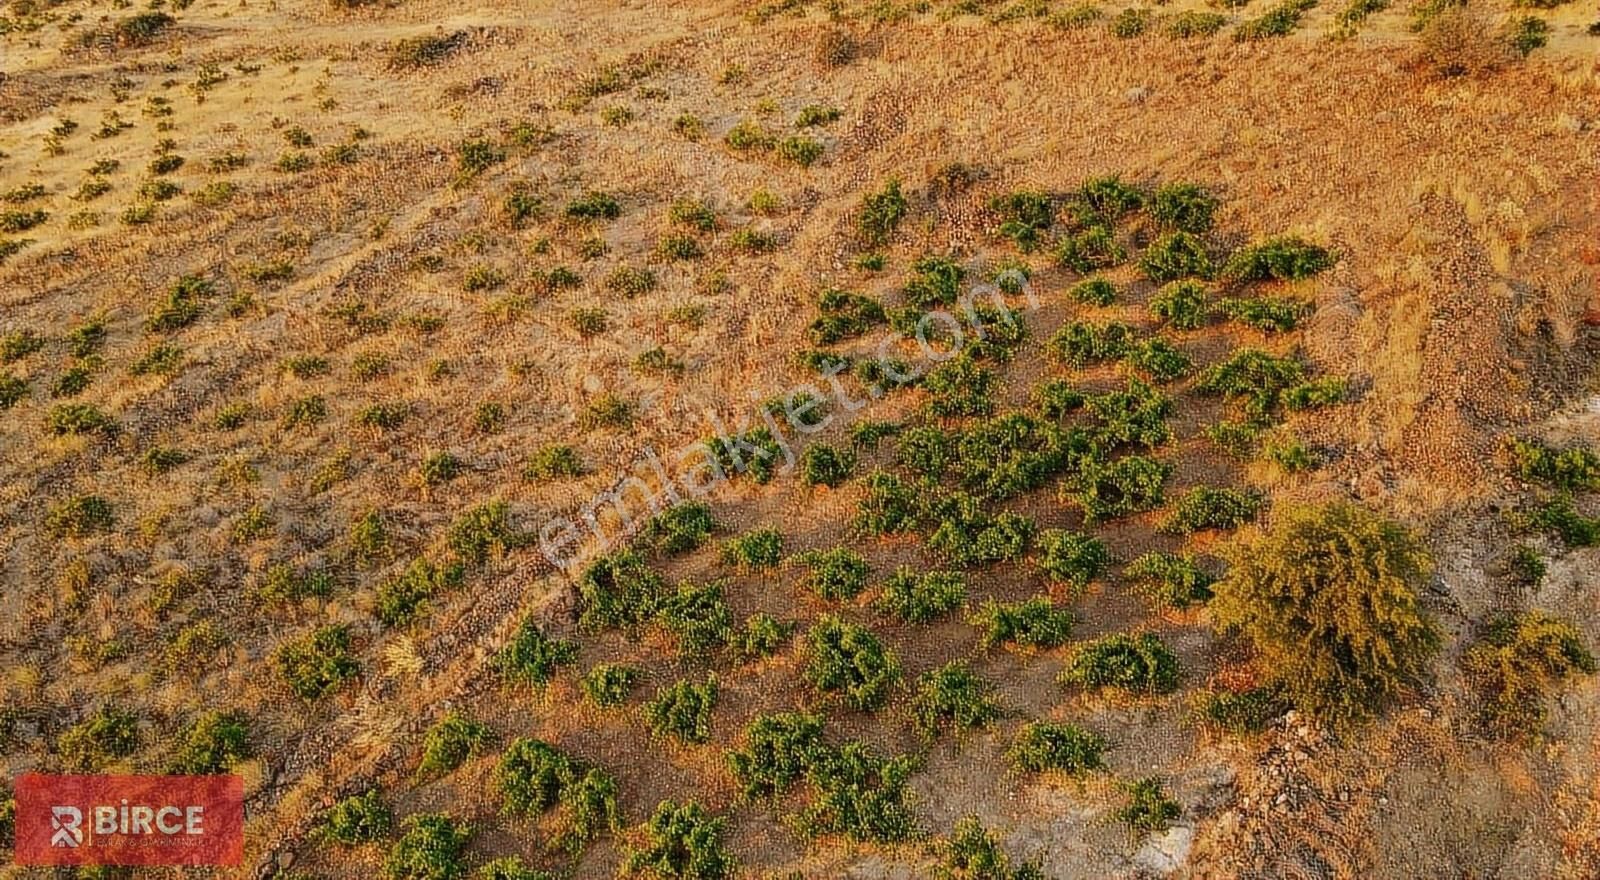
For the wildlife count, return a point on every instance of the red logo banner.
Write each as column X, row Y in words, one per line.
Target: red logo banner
column 129, row 820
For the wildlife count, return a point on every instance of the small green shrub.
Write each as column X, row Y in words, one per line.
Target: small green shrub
column 755, row 453
column 358, row 819
column 610, row 684
column 1181, row 304
column 1515, row 661
column 679, row 529
column 1574, row 469
column 618, row 590
column 952, row 699
column 798, row 150
column 1561, row 516
column 1071, row 558
column 922, row 598
column 1033, row 623
column 698, row 615
column 79, row 517
column 404, row 598
column 1185, row 207
column 972, row 853
column 1149, row 809
column 762, row 636
column 319, row 663
column 1065, row 748
column 1261, row 381
column 425, row 50
column 1093, row 292
column 880, row 213
column 482, row 533
column 1175, row 256
column 1525, row 566
column 1168, row 580
column 553, row 462
column 849, row 661
column 844, row 315
column 860, row 795
column 1135, row 416
column 594, row 205
column 510, row 868
column 1141, row 664
column 12, row 391
column 533, row 657
column 779, row 751
column 1080, row 343
column 1110, row 490
column 1058, row 398
column 960, row 387
column 836, row 574
column 451, row 742
column 1243, row 712
column 889, row 506
column 1284, row 258
column 1279, row 21
column 1158, row 360
column 755, row 549
column 1025, row 216
column 968, row 536
column 532, row 775
column 824, row 465
column 683, row 711
column 18, row 344
column 106, row 735
column 1091, row 250
column 935, row 282
column 1206, row 507
column 1265, row 313
column 432, row 848
column 681, row 843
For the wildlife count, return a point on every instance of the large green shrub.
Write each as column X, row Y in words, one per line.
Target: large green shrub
column 1328, row 598
column 890, row 505
column 1081, row 344
column 960, row 387
column 755, row 549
